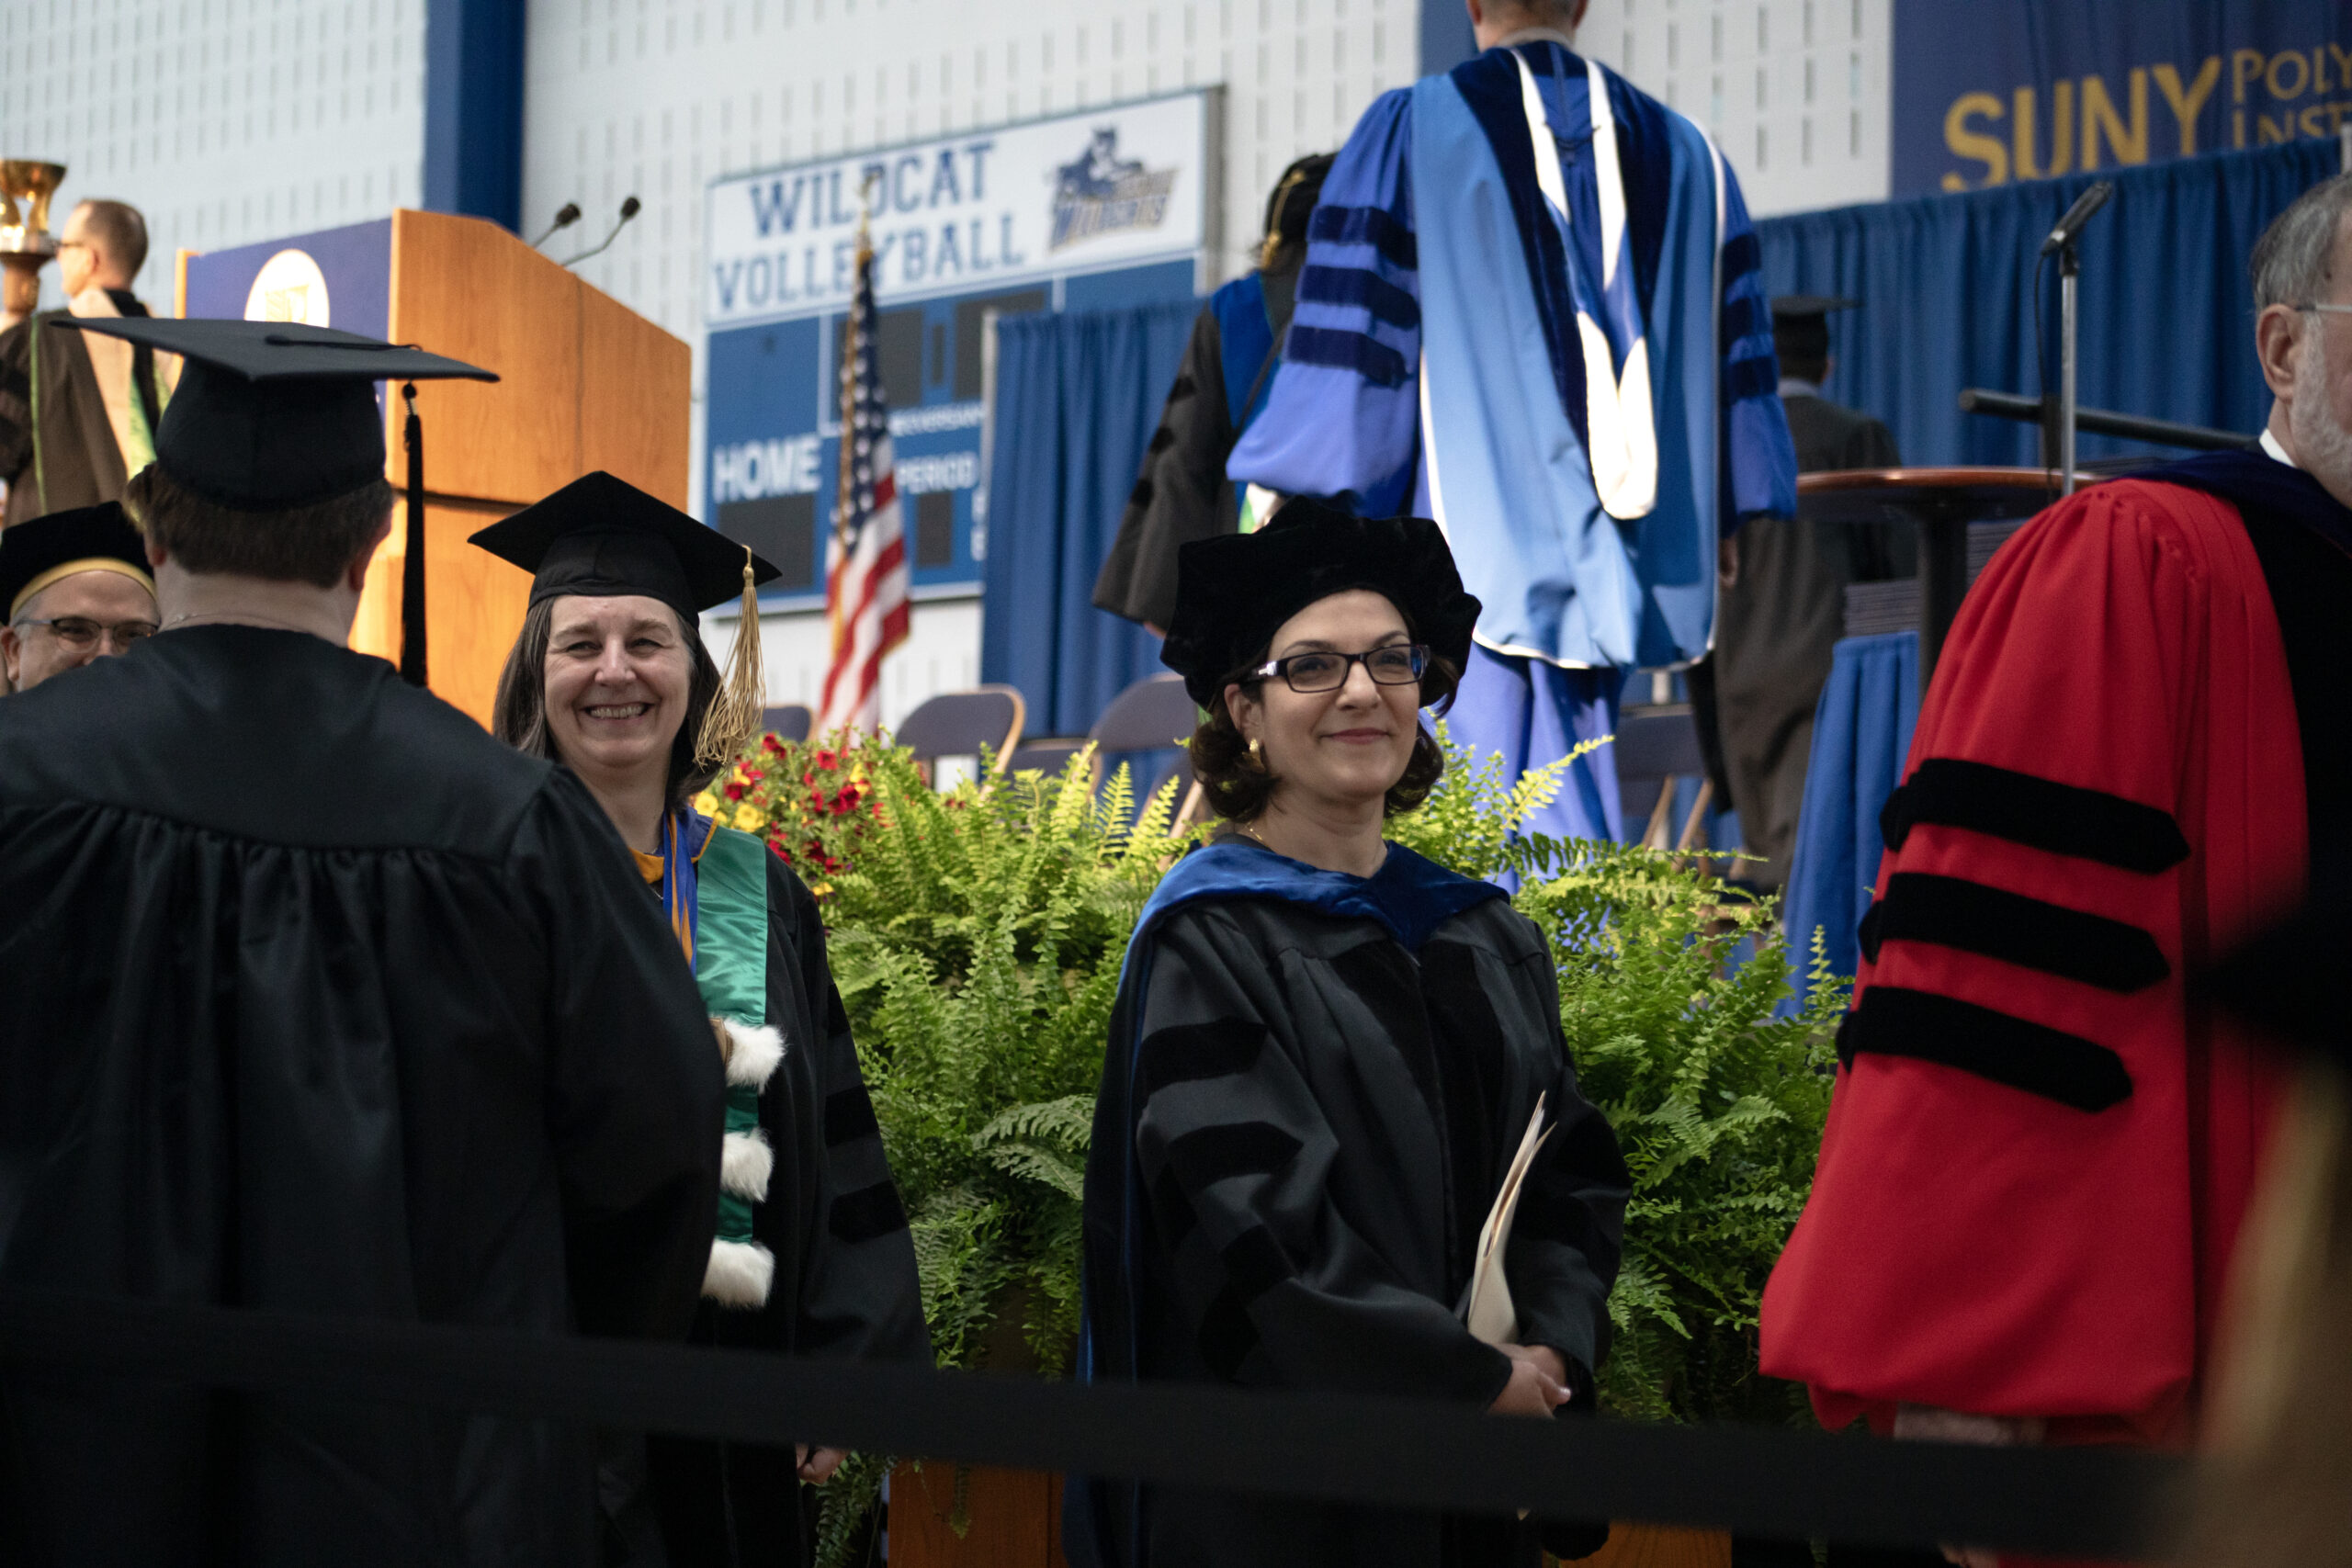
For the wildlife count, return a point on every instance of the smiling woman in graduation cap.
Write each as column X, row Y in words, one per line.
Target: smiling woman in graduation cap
column 812, row 1255
column 1324, row 1056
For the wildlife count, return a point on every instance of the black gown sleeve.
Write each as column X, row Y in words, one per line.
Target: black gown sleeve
column 1276, row 1285
column 1182, row 494
column 859, row 1295
column 636, row 1090
column 15, row 400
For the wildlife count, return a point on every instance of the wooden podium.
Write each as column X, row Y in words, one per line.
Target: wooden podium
column 584, row 383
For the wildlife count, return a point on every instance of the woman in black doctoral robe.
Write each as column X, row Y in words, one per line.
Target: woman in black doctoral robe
column 811, row 1255
column 1323, row 1057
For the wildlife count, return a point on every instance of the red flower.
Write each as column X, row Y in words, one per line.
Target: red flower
column 770, row 743
column 828, row 760
column 734, row 789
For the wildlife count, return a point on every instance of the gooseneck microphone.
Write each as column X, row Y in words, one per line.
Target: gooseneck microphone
column 566, row 216
column 2089, row 202
column 629, row 209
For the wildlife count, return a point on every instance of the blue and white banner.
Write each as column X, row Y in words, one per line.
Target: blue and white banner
column 1080, row 192
column 1992, row 91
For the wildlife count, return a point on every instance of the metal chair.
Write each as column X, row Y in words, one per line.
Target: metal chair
column 1155, row 715
column 983, row 724
column 1656, row 746
column 788, row 722
column 1049, row 757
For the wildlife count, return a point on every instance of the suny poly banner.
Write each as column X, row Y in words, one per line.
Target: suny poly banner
column 1992, row 91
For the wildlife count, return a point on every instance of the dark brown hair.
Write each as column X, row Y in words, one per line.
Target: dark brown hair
column 1240, row 788
column 519, row 714
column 315, row 544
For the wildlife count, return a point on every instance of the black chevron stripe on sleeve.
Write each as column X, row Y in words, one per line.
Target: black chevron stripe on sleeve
column 1954, row 912
column 2039, row 813
column 1892, row 1020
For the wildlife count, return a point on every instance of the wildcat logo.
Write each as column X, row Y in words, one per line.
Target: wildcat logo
column 1102, row 192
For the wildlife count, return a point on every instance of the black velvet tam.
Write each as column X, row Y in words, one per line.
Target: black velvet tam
column 35, row 549
column 272, row 415
column 1801, row 324
column 1234, row 592
column 599, row 538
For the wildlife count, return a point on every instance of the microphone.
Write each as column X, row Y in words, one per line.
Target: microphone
column 629, row 209
column 2089, row 202
column 564, row 219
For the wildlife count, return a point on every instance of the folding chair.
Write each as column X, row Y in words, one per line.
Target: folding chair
column 1656, row 746
column 1156, row 714
column 983, row 723
column 788, row 722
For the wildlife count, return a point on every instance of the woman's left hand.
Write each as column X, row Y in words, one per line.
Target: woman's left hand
column 817, row 1465
column 1543, row 1358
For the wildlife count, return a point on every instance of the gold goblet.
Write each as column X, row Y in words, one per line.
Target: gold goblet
column 27, row 180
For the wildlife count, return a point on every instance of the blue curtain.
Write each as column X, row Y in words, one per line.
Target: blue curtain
column 1947, row 289
column 1861, row 732
column 1078, row 397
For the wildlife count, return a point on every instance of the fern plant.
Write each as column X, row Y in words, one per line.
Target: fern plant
column 976, row 937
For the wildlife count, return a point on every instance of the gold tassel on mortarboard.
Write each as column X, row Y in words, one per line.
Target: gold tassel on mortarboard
column 1273, row 241
column 733, row 719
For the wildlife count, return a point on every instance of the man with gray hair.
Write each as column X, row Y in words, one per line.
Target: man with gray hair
column 2042, row 1144
column 100, row 401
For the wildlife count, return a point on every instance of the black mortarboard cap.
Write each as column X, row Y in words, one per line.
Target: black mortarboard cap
column 273, row 415
column 599, row 536
column 1801, row 324
column 91, row 539
column 269, row 416
column 1797, row 305
column 1234, row 592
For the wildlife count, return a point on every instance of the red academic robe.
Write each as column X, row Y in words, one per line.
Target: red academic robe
column 2039, row 1148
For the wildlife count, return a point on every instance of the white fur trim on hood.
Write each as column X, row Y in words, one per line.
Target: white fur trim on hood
column 740, row 1273
column 745, row 1162
column 752, row 1054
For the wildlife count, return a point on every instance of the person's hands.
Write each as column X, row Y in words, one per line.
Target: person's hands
column 1927, row 1424
column 817, row 1465
column 1547, row 1361
column 1538, row 1381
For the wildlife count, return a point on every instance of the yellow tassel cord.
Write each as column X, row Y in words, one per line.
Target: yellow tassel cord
column 732, row 722
column 1273, row 241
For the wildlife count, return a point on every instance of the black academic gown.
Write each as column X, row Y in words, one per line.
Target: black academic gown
column 1314, row 1086
column 315, row 999
column 1777, row 623
column 845, row 1283
column 1182, row 494
column 71, row 458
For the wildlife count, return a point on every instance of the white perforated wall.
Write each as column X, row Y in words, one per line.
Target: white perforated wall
column 225, row 121
column 1795, row 92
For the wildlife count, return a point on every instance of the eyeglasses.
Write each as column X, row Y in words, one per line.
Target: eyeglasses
column 2328, row 310
column 1399, row 664
column 82, row 634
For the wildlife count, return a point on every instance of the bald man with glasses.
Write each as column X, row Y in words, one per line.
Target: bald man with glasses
column 78, row 587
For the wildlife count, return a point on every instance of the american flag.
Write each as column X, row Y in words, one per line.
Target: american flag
column 865, row 561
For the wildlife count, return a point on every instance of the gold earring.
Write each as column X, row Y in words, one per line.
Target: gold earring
column 1257, row 755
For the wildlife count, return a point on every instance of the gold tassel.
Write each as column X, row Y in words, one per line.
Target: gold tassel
column 1273, row 241
column 733, row 719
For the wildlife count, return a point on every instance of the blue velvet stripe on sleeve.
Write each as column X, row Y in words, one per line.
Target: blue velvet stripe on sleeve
column 1343, row 419
column 1760, row 468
